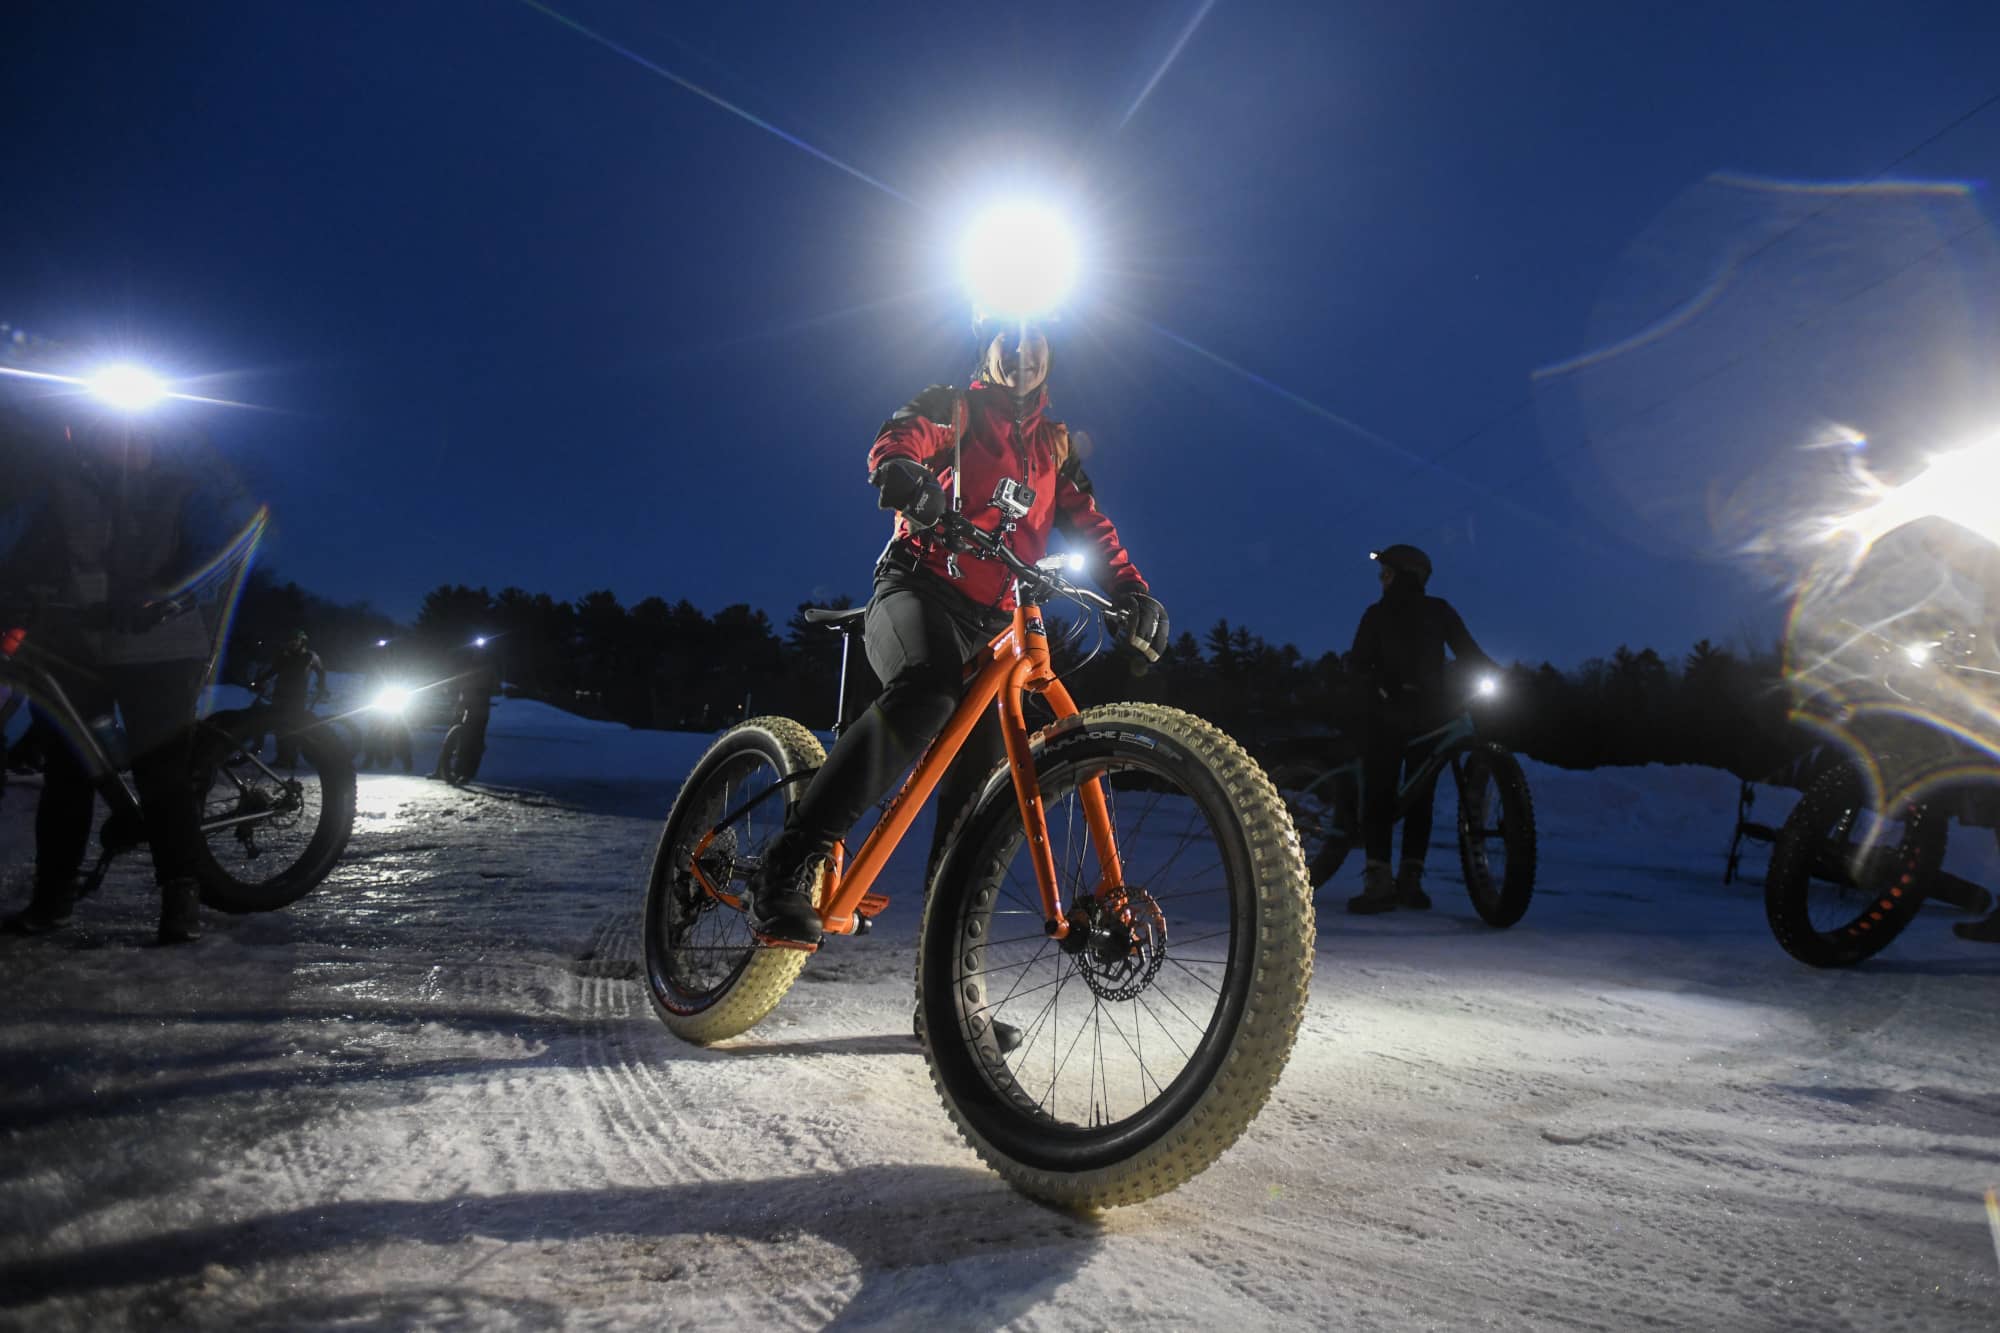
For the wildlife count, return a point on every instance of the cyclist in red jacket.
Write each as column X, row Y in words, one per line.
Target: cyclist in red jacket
column 934, row 608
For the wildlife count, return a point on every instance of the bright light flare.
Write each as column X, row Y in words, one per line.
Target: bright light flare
column 1076, row 562
column 1918, row 653
column 1020, row 261
column 127, row 387
column 1487, row 687
column 479, row 642
column 1958, row 487
column 393, row 700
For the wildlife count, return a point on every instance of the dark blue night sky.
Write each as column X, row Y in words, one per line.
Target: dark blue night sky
column 526, row 312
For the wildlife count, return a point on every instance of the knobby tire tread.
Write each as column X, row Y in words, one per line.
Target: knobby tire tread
column 1278, row 983
column 755, row 990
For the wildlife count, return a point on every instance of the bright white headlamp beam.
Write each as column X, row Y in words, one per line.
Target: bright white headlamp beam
column 127, row 387
column 1019, row 261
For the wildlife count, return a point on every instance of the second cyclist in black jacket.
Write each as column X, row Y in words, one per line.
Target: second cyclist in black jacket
column 1399, row 654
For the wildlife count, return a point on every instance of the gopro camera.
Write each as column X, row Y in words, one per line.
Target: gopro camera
column 1013, row 499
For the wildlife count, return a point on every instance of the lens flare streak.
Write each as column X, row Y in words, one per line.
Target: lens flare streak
column 1167, row 64
column 87, row 384
column 707, row 96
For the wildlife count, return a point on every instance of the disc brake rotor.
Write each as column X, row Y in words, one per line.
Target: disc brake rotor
column 1120, row 943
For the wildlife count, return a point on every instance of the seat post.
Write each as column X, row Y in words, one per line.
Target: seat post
column 840, row 700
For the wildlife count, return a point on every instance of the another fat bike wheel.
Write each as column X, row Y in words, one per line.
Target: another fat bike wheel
column 1324, row 810
column 458, row 757
column 1150, row 1037
column 269, row 833
column 1496, row 835
column 708, row 977
column 1845, row 878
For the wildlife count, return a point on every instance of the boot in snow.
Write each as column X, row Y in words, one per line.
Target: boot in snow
column 1410, row 886
column 1378, row 890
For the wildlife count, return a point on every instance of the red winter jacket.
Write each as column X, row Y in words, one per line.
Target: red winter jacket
column 1003, row 439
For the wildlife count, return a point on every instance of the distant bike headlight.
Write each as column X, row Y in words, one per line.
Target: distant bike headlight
column 1488, row 687
column 393, row 700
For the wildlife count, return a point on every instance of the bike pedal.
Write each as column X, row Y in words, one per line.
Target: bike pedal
column 872, row 905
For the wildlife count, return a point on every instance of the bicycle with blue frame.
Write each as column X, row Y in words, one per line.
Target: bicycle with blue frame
column 1321, row 780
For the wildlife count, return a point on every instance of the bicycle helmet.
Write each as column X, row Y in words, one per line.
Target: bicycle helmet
column 1404, row 559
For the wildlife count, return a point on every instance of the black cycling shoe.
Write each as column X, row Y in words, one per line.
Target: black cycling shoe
column 780, row 891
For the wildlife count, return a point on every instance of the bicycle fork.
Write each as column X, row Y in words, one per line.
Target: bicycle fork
column 1033, row 673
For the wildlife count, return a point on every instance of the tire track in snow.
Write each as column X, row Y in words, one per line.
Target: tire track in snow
column 631, row 1110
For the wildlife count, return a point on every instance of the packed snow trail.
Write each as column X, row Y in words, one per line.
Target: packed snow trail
column 433, row 1093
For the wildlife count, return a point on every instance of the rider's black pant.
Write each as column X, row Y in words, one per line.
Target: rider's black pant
column 920, row 632
column 1385, row 744
column 290, row 715
column 156, row 701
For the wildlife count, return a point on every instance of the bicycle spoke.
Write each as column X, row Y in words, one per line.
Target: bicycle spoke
column 1081, row 1062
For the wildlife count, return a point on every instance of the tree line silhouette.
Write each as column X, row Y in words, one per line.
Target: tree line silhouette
column 671, row 665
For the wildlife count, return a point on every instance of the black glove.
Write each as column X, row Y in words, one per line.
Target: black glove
column 908, row 485
column 1145, row 624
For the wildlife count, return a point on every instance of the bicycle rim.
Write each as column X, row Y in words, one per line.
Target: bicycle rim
column 706, row 942
column 1863, row 869
column 1109, row 1040
column 259, row 818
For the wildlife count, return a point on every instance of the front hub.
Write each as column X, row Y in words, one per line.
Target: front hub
column 1119, row 942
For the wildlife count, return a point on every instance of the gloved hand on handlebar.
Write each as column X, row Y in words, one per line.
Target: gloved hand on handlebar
column 1145, row 631
column 908, row 485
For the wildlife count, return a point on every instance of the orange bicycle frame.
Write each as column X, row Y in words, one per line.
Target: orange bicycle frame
column 1017, row 662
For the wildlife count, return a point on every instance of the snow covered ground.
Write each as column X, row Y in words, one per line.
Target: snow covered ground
column 433, row 1094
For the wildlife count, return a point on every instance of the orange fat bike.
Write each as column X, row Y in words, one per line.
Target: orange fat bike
column 1125, row 893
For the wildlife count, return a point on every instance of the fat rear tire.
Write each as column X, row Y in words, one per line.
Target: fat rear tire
column 226, row 885
column 740, row 985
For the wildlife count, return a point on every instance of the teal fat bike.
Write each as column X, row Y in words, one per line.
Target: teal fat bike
column 1321, row 781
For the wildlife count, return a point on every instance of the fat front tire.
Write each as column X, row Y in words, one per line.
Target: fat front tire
column 1496, row 835
column 1844, row 880
column 269, row 835
column 1149, row 1039
column 707, row 976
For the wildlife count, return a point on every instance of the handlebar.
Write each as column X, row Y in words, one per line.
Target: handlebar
column 961, row 533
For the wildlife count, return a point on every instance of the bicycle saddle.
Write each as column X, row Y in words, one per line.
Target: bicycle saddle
column 833, row 619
